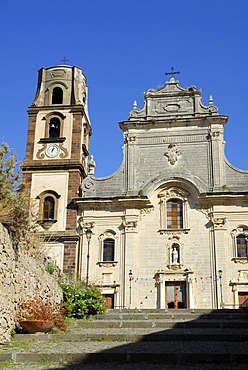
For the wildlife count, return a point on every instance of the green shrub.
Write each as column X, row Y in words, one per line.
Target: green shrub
column 50, row 268
column 14, row 199
column 81, row 301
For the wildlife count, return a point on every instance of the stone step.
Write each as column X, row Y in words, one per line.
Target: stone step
column 173, row 314
column 186, row 337
column 169, row 317
column 139, row 334
column 157, row 310
column 174, row 352
column 175, row 311
column 242, row 324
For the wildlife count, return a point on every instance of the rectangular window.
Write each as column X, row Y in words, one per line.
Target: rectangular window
column 108, row 250
column 241, row 246
column 174, row 214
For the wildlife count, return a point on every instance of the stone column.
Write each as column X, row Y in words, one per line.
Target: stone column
column 219, row 255
column 216, row 159
column 130, row 224
column 129, row 152
column 161, row 292
column 189, row 288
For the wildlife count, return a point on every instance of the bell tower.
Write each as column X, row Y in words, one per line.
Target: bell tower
column 56, row 158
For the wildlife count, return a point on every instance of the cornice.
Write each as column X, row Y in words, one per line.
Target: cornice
column 120, row 202
column 61, row 237
column 223, row 197
column 56, row 165
column 173, row 121
column 58, row 107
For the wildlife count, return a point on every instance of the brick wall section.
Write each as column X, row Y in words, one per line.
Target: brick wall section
column 77, row 128
column 27, row 177
column 69, row 267
column 73, row 186
column 74, row 176
column 31, row 135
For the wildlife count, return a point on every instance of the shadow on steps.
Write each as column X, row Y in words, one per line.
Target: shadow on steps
column 217, row 339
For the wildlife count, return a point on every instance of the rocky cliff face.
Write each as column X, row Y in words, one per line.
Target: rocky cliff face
column 21, row 276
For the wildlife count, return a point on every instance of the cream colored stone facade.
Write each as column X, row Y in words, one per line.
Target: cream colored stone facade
column 173, row 149
column 168, row 221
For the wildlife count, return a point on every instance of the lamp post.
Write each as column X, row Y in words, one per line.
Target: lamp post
column 88, row 233
column 221, row 292
column 130, row 287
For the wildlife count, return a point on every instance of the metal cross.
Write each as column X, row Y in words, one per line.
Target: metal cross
column 64, row 60
column 172, row 72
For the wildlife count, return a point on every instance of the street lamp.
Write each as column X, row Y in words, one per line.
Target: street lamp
column 130, row 287
column 221, row 292
column 88, row 233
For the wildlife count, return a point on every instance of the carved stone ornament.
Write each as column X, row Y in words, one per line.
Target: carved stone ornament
column 219, row 222
column 241, row 260
column 85, row 225
column 41, row 152
column 63, row 151
column 130, row 226
column 107, row 264
column 131, row 139
column 238, row 230
column 172, row 153
column 173, row 232
column 172, row 108
column 108, row 234
column 204, row 210
column 216, row 135
column 58, row 73
column 174, row 192
column 243, row 275
column 87, row 185
column 145, row 211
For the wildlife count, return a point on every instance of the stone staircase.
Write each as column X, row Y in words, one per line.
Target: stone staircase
column 140, row 339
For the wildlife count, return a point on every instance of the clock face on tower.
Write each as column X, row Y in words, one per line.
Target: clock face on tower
column 52, row 150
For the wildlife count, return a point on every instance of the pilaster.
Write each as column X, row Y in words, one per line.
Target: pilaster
column 130, row 251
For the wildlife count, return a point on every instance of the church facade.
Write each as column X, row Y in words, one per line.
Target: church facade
column 169, row 228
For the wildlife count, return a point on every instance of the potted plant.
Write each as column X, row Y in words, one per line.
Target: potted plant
column 39, row 315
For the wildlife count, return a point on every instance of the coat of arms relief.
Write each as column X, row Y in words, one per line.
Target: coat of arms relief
column 172, row 153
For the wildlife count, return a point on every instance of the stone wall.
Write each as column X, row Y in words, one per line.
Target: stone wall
column 21, row 276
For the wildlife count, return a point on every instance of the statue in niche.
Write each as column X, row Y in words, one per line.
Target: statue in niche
column 174, row 256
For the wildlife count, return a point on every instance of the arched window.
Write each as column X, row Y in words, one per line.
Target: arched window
column 54, row 127
column 174, row 216
column 48, row 208
column 108, row 250
column 241, row 244
column 57, row 97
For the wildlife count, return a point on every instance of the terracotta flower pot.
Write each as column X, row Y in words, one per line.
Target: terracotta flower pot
column 36, row 326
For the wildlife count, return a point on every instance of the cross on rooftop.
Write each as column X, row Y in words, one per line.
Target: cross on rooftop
column 64, row 60
column 172, row 72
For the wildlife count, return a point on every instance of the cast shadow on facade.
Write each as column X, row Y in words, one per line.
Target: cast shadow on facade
column 216, row 337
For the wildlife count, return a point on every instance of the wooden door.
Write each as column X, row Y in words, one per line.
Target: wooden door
column 109, row 298
column 175, row 294
column 243, row 296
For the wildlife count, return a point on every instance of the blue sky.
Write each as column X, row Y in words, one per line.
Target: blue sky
column 125, row 47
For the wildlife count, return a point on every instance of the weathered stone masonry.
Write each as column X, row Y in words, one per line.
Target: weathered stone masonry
column 21, row 276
